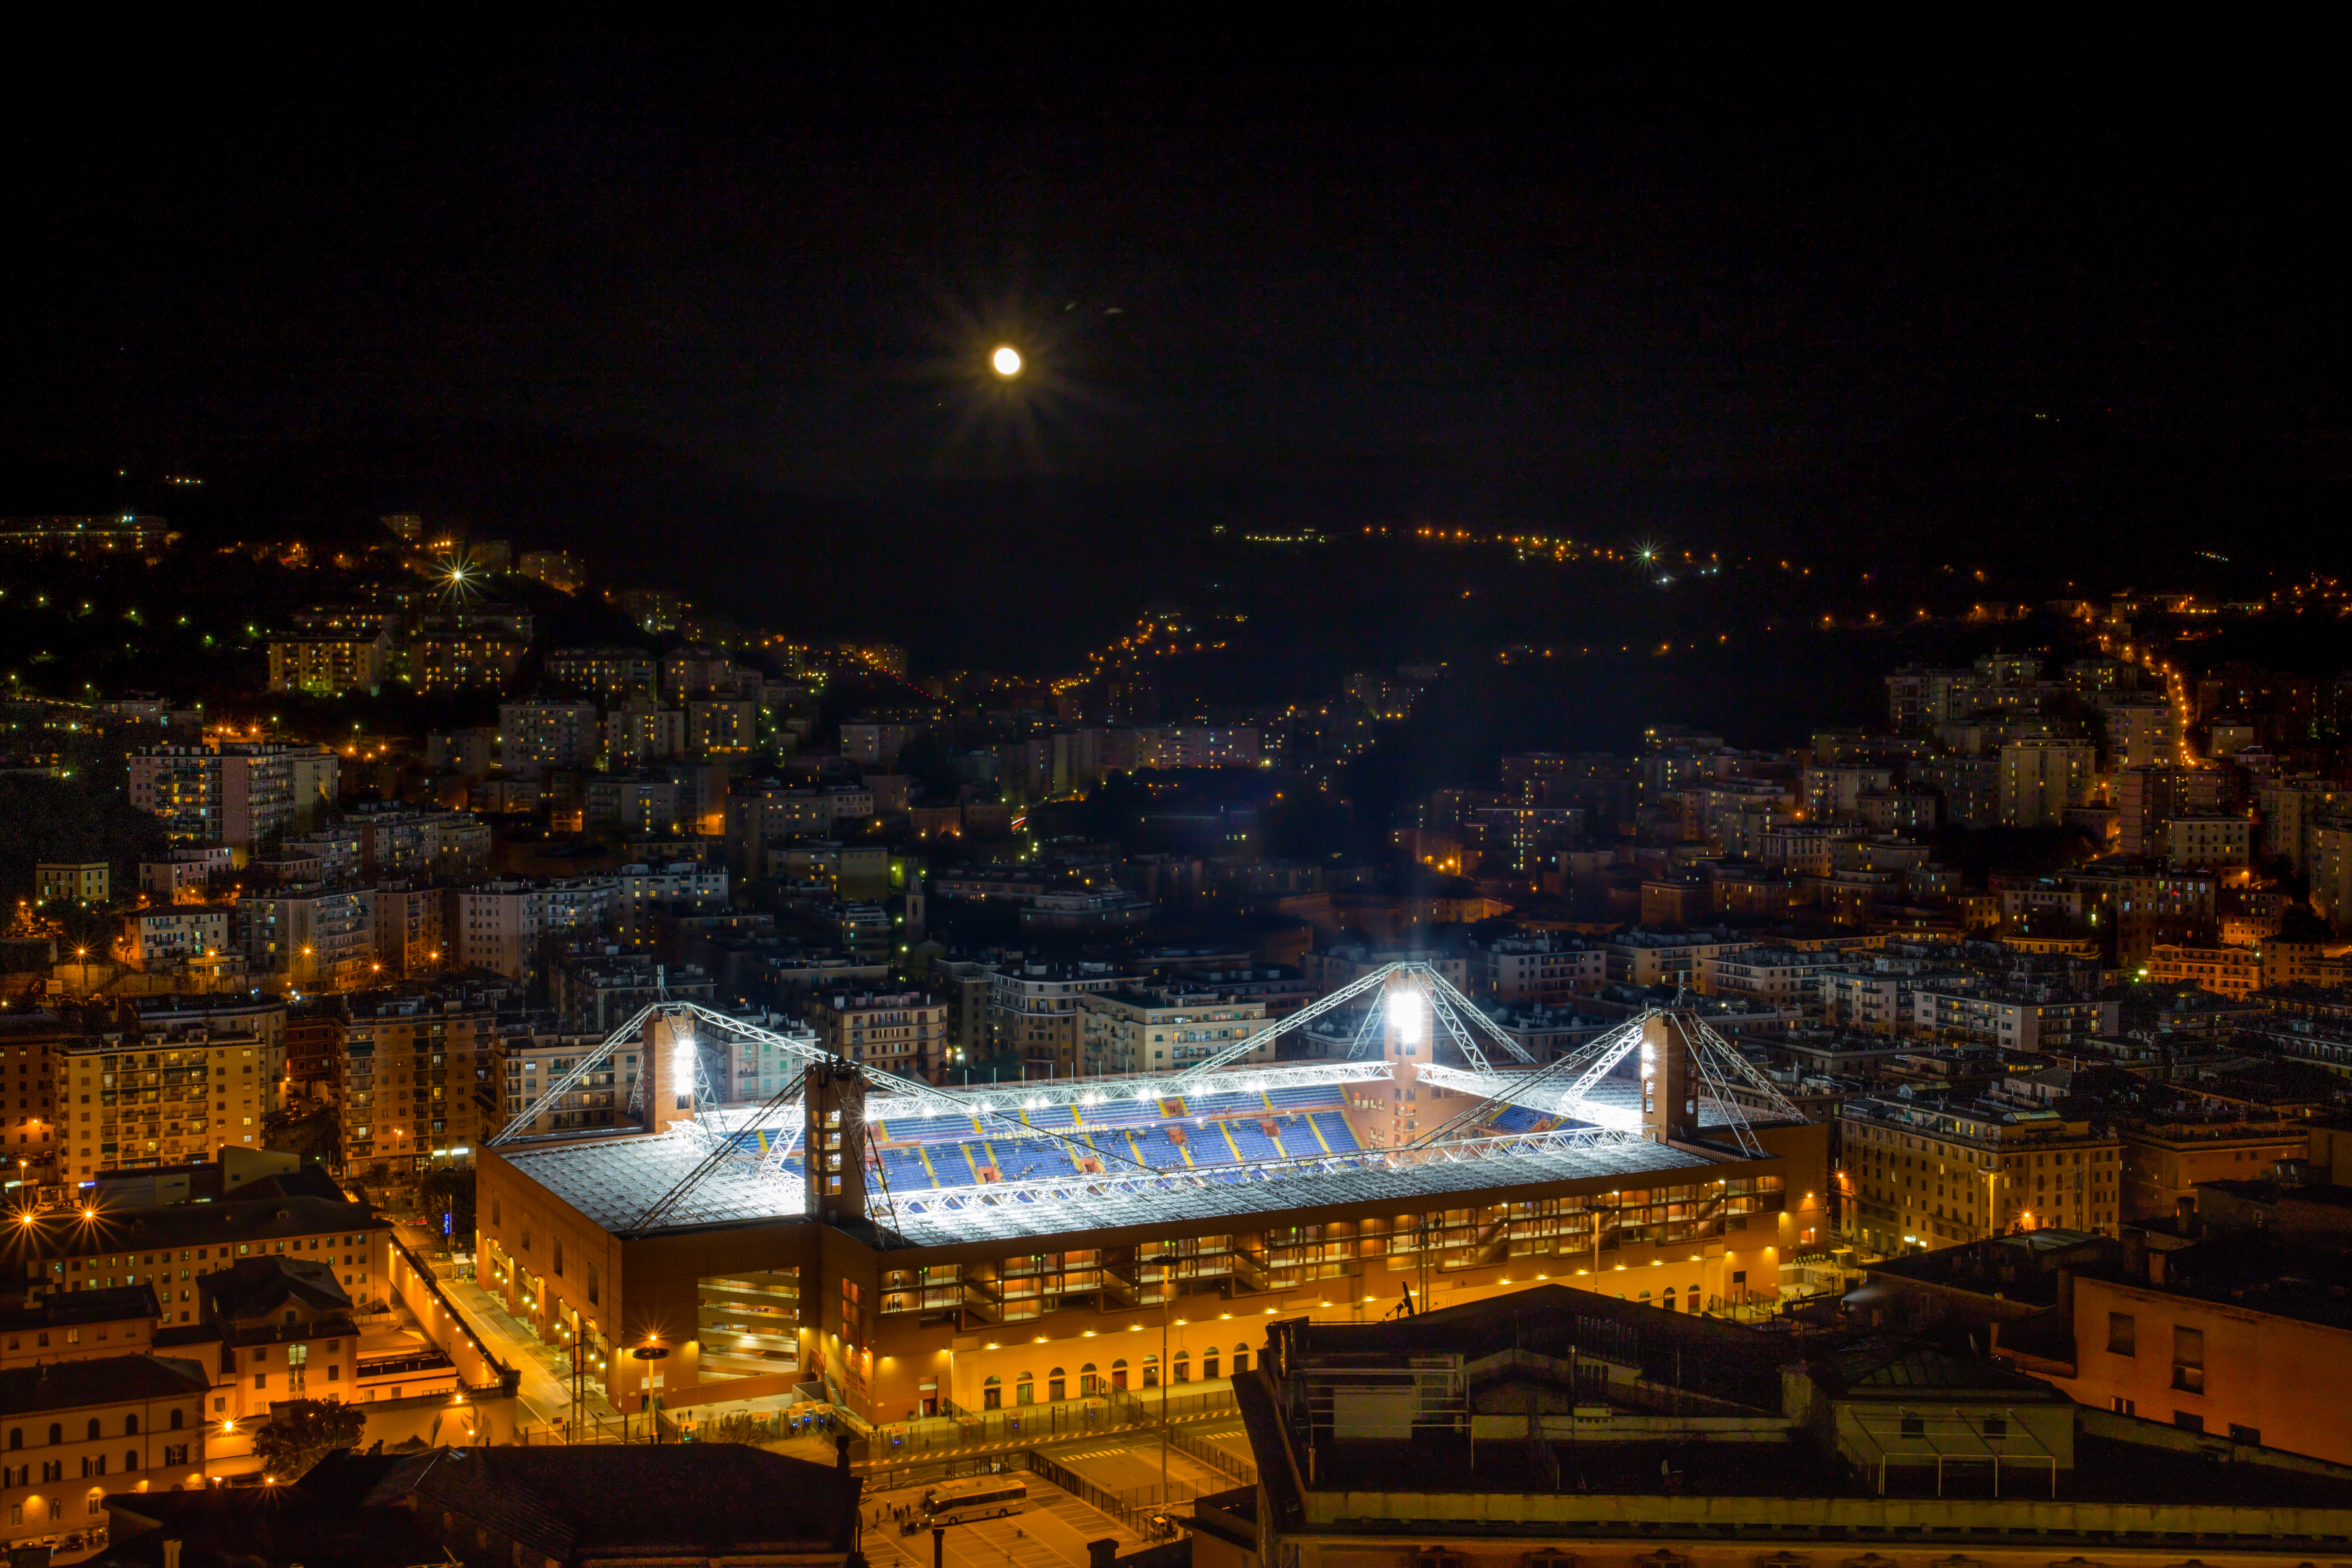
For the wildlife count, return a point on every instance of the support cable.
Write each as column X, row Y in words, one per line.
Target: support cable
column 722, row 1149
column 1299, row 1019
column 586, row 1065
column 1441, row 986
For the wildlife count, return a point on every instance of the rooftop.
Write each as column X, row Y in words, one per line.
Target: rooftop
column 195, row 1225
column 616, row 1181
column 108, row 1380
column 71, row 1307
column 2256, row 1273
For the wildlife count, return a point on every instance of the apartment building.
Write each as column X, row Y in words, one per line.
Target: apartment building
column 1879, row 999
column 2330, row 863
column 752, row 1072
column 559, row 568
column 240, row 795
column 172, row 1247
column 82, row 882
column 642, row 731
column 31, row 1041
column 455, row 657
column 2143, row 734
column 533, row 1062
column 2235, row 1337
column 2143, row 905
column 1641, row 957
column 164, row 1098
column 901, row 1032
column 2165, row 1161
column 1833, row 793
column 2209, row 843
column 595, row 988
column 2040, row 777
column 535, row 738
column 638, row 888
column 499, row 926
column 408, row 929
column 636, row 802
column 186, row 873
column 78, row 1428
column 1158, row 1028
column 875, row 745
column 1033, row 1009
column 721, row 727
column 310, row 938
column 419, row 841
column 2230, row 971
column 776, row 815
column 164, row 938
column 1536, row 967
column 611, row 675
column 328, row 664
column 2024, row 1018
column 965, row 986
column 1925, row 1174
column 1777, row 977
column 2290, row 809
column 419, row 1075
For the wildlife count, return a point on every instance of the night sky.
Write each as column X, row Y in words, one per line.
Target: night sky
column 1725, row 283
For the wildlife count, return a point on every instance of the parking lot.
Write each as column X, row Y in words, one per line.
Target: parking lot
column 1052, row 1531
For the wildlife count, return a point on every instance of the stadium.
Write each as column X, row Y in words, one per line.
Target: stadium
column 902, row 1249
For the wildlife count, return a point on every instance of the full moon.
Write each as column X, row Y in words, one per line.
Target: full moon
column 1007, row 361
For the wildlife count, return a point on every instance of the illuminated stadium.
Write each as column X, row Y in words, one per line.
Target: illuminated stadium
column 892, row 1242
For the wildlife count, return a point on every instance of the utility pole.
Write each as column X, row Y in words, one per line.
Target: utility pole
column 1167, row 1303
column 579, row 1384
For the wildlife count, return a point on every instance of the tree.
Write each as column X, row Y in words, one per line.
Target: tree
column 72, row 819
column 304, row 1431
column 737, row 1426
column 449, row 1190
column 313, row 1132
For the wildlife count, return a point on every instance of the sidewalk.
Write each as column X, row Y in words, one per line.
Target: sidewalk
column 883, row 1455
column 546, row 1370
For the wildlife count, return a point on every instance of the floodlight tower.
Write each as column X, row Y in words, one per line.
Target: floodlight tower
column 1669, row 1086
column 1408, row 1035
column 672, row 1070
column 832, row 1147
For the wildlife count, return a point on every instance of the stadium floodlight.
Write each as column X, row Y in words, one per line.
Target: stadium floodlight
column 681, row 1057
column 1408, row 1013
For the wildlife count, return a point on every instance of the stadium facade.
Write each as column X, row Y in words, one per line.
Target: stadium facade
column 920, row 1251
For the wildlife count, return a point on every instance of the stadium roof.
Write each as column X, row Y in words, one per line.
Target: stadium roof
column 613, row 1183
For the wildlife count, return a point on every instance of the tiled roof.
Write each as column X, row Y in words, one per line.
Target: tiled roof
column 706, row 1499
column 109, row 1380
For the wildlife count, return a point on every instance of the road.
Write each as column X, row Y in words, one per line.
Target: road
column 544, row 1392
column 1118, row 1466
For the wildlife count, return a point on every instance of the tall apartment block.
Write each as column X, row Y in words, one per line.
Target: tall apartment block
column 238, row 795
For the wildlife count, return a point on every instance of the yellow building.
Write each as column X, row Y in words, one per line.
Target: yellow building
column 328, row 664
column 2229, row 970
column 2226, row 1338
column 163, row 1100
column 77, row 1430
column 80, row 882
column 1929, row 1174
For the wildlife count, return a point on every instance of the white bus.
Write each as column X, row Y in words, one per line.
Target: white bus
column 983, row 1497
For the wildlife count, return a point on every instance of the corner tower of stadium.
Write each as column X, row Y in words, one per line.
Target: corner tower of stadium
column 904, row 1249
